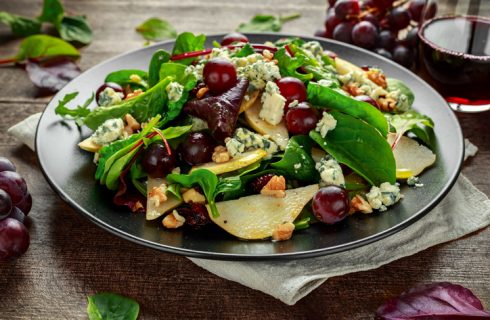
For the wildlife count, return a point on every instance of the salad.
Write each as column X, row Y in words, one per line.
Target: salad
column 259, row 139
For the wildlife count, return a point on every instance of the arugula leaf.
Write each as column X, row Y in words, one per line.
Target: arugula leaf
column 298, row 152
column 74, row 28
column 395, row 84
column 288, row 66
column 77, row 114
column 245, row 51
column 111, row 306
column 136, row 172
column 20, row 26
column 123, row 77
column 155, row 29
column 359, row 146
column 323, row 97
column 42, row 46
column 52, row 11
column 188, row 42
column 412, row 121
column 159, row 57
column 266, row 23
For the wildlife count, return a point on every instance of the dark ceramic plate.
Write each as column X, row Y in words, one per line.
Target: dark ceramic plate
column 70, row 171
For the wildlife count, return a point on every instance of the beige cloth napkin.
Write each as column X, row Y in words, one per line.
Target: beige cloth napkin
column 464, row 210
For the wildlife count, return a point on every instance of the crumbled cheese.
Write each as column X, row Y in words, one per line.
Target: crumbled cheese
column 365, row 85
column 259, row 73
column 109, row 97
column 314, row 47
column 272, row 104
column 330, row 171
column 198, row 124
column 196, row 71
column 174, row 91
column 297, row 166
column 413, row 181
column 327, row 123
column 385, row 195
column 109, row 131
column 220, row 53
column 402, row 103
column 245, row 140
column 244, row 61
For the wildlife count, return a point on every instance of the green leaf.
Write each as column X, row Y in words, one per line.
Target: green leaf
column 77, row 114
column 42, row 46
column 52, row 11
column 111, row 306
column 360, row 147
column 156, row 29
column 395, row 84
column 20, row 26
column 74, row 28
column 266, row 23
column 123, row 77
column 188, row 42
column 136, row 173
column 245, row 51
column 297, row 161
column 326, row 98
column 288, row 66
column 419, row 124
column 159, row 57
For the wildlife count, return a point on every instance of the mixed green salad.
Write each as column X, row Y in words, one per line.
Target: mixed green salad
column 258, row 139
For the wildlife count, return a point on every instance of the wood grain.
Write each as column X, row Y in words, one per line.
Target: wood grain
column 69, row 258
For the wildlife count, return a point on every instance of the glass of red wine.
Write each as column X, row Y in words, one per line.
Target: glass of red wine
column 455, row 51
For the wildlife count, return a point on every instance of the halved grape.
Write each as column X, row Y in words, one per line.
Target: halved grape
column 6, row 165
column 301, row 119
column 14, row 239
column 219, row 75
column 292, row 89
column 331, row 204
column 233, row 37
column 13, row 184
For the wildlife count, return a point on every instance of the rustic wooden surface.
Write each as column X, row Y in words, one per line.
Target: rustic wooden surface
column 70, row 258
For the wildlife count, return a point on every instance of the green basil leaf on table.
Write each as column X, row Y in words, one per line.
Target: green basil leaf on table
column 20, row 26
column 266, row 23
column 111, row 306
column 74, row 28
column 395, row 84
column 79, row 113
column 42, row 46
column 159, row 57
column 123, row 77
column 323, row 97
column 155, row 29
column 188, row 42
column 359, row 146
column 52, row 11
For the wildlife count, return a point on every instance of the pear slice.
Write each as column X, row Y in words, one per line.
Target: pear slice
column 411, row 157
column 89, row 145
column 278, row 133
column 236, row 163
column 255, row 217
column 344, row 66
column 152, row 211
column 246, row 104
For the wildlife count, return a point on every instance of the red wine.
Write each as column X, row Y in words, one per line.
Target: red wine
column 456, row 55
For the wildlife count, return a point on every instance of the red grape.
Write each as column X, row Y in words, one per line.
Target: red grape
column 292, row 89
column 331, row 204
column 331, row 21
column 197, row 148
column 415, row 8
column 411, row 38
column 345, row 8
column 5, row 204
column 219, row 75
column 233, row 37
column 399, row 18
column 196, row 215
column 371, row 18
column 364, row 34
column 25, row 204
column 382, row 4
column 332, row 2
column 321, row 33
column 156, row 161
column 343, row 31
column 301, row 119
column 386, row 40
column 383, row 52
column 258, row 183
column 6, row 165
column 14, row 185
column 14, row 239
column 112, row 85
column 403, row 56
column 367, row 99
column 17, row 214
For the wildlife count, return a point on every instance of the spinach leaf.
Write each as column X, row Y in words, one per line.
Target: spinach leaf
column 288, row 66
column 266, row 23
column 136, row 173
column 395, row 84
column 323, row 97
column 112, row 177
column 159, row 57
column 245, row 51
column 111, row 306
column 244, row 188
column 77, row 114
column 52, row 11
column 42, row 46
column 155, row 29
column 123, row 77
column 359, row 146
column 412, row 121
column 188, row 42
column 74, row 28
column 297, row 161
column 20, row 26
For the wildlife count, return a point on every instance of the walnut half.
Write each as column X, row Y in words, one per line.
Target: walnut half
column 173, row 220
column 283, row 232
column 276, row 187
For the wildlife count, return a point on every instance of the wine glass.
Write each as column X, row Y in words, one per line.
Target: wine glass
column 455, row 51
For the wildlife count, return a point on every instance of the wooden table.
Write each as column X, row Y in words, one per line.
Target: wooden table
column 70, row 258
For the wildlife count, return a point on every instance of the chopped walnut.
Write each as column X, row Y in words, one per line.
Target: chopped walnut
column 157, row 195
column 133, row 94
column 353, row 89
column 201, row 92
column 275, row 187
column 386, row 104
column 268, row 56
column 377, row 77
column 194, row 196
column 358, row 203
column 220, row 154
column 131, row 124
column 137, row 206
column 173, row 220
column 283, row 232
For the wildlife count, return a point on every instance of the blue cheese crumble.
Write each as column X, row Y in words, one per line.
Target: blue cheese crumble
column 245, row 140
column 272, row 104
column 385, row 195
column 109, row 131
column 244, row 61
column 196, row 71
column 330, row 171
column 314, row 47
column 109, row 97
column 365, row 85
column 414, row 182
column 259, row 73
column 198, row 124
column 327, row 123
column 174, row 91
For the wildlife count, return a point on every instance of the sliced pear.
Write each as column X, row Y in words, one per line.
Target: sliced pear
column 410, row 156
column 317, row 154
column 241, row 161
column 172, row 202
column 344, row 66
column 278, row 133
column 89, row 145
column 246, row 104
column 255, row 217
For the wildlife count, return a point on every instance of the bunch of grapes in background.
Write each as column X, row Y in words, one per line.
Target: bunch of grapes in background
column 387, row 27
column 15, row 204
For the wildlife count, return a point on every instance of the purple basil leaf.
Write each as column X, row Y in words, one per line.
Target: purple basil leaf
column 441, row 301
column 53, row 74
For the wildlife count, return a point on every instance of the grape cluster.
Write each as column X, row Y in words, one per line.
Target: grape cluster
column 387, row 27
column 15, row 204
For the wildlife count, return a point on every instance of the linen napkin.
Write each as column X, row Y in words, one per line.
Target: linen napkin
column 464, row 210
